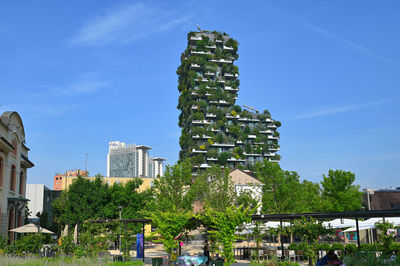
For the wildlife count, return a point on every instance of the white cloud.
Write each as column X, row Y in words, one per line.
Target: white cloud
column 343, row 109
column 84, row 87
column 125, row 24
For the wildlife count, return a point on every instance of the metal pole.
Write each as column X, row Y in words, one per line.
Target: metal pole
column 144, row 240
column 283, row 251
column 358, row 233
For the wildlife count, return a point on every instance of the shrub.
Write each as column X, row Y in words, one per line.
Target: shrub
column 395, row 248
column 293, row 246
column 337, row 246
column 367, row 247
column 324, row 246
column 30, row 243
column 302, row 246
column 350, row 248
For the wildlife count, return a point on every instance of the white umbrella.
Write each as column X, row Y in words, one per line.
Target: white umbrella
column 76, row 234
column 339, row 223
column 31, row 228
column 65, row 232
column 370, row 223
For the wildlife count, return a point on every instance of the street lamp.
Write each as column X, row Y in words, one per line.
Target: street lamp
column 120, row 217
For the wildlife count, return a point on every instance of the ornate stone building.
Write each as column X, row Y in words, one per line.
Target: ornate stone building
column 14, row 164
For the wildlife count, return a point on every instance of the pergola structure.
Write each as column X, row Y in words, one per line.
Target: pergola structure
column 326, row 215
column 143, row 221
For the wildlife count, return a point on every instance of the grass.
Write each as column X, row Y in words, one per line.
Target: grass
column 33, row 261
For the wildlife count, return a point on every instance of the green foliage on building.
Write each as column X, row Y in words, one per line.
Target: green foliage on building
column 211, row 122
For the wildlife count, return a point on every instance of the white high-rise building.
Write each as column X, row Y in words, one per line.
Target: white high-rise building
column 132, row 161
column 156, row 166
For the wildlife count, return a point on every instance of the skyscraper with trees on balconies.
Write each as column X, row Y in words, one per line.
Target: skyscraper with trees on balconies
column 214, row 129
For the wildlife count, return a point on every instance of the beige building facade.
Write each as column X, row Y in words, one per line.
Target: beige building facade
column 14, row 164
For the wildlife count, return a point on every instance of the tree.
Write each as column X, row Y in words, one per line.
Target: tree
column 173, row 198
column 338, row 192
column 281, row 190
column 214, row 188
column 221, row 227
column 172, row 191
column 83, row 200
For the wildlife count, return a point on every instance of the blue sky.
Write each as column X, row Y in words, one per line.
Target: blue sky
column 84, row 73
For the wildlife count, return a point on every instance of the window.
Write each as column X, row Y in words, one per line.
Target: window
column 21, row 183
column 15, row 144
column 12, row 178
column 1, row 171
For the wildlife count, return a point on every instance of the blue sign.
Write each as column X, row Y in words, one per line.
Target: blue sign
column 139, row 246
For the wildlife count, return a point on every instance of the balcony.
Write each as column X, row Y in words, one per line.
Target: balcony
column 269, row 120
column 223, row 145
column 209, row 74
column 252, row 154
column 198, row 151
column 270, row 154
column 200, row 122
column 272, row 137
column 230, row 75
column 201, row 137
column 245, row 119
column 268, row 131
column 200, row 52
column 195, row 107
column 195, row 66
column 251, row 136
column 223, row 61
column 274, row 149
column 211, row 46
column 212, row 159
column 218, row 41
column 211, row 115
column 194, row 38
column 228, row 48
column 273, row 161
column 228, row 88
column 271, row 126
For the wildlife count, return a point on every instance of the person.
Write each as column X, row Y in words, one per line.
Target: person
column 329, row 259
column 206, row 249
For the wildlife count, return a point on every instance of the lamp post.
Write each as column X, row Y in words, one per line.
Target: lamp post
column 120, row 217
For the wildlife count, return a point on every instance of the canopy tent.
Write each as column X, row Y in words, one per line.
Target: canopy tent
column 339, row 223
column 248, row 228
column 370, row 223
column 31, row 228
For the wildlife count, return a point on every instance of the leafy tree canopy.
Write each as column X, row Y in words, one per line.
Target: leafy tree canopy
column 339, row 193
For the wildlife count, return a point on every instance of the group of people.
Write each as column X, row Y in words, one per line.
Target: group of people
column 329, row 259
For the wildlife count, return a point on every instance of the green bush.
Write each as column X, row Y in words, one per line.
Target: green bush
column 337, row 246
column 302, row 246
column 351, row 248
column 293, row 246
column 367, row 247
column 395, row 248
column 30, row 243
column 325, row 246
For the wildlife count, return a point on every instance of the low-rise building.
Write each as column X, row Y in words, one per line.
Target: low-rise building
column 40, row 199
column 382, row 199
column 14, row 164
column 146, row 182
column 58, row 177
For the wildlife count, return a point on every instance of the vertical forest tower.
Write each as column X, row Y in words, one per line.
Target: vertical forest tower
column 214, row 129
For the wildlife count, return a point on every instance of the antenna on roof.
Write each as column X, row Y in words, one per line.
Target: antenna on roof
column 250, row 108
column 86, row 161
column 198, row 27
